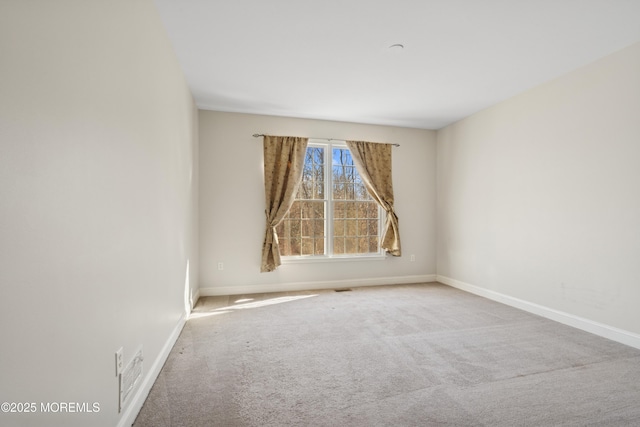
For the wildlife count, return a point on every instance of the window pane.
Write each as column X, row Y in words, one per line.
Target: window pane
column 318, row 210
column 306, row 210
column 344, row 174
column 363, row 228
column 363, row 245
column 350, row 244
column 295, row 228
column 312, row 186
column 350, row 227
column 319, row 190
column 307, row 229
column 295, row 247
column 294, row 212
column 373, row 244
column 373, row 227
column 361, row 192
column 338, row 191
column 307, row 246
column 352, row 212
column 304, row 190
column 349, row 191
column 348, row 210
column 372, row 210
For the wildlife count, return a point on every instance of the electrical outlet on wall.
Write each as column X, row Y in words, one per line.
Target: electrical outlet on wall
column 220, row 266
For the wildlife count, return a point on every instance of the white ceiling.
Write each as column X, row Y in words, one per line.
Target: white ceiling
column 329, row 59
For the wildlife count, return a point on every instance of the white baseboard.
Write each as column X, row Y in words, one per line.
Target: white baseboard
column 132, row 410
column 308, row 286
column 195, row 298
column 600, row 329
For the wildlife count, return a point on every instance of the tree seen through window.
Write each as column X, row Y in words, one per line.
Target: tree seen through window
column 333, row 213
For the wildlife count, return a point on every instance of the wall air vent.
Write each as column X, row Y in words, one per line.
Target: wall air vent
column 130, row 379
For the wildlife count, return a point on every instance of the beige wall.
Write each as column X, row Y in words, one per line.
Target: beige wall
column 98, row 202
column 232, row 221
column 539, row 196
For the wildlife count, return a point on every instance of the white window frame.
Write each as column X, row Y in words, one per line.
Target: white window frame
column 329, row 256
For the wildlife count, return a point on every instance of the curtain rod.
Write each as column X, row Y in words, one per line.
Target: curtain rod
column 256, row 135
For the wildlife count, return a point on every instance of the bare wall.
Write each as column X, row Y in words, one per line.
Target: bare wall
column 98, row 205
column 539, row 196
column 232, row 220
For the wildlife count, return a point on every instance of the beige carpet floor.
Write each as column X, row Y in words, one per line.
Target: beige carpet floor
column 409, row 355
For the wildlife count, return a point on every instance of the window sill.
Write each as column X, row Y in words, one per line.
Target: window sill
column 335, row 258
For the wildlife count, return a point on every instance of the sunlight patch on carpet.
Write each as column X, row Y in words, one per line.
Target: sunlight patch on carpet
column 243, row 304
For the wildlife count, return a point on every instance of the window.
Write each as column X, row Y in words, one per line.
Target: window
column 333, row 214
